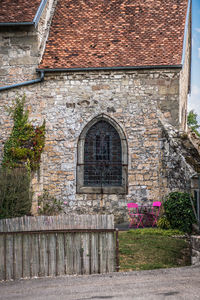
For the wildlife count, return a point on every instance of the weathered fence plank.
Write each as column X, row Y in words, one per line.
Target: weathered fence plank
column 2, row 268
column 53, row 246
column 26, row 255
column 103, row 252
column 18, row 256
column 51, row 254
column 9, row 256
column 86, row 253
column 35, row 255
column 42, row 246
column 69, row 261
column 94, row 250
column 59, row 254
column 77, row 250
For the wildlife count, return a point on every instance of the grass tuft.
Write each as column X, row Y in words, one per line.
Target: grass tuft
column 152, row 248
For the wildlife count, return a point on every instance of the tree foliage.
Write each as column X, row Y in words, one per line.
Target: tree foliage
column 192, row 122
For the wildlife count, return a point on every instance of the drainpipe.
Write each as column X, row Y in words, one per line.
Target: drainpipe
column 7, row 87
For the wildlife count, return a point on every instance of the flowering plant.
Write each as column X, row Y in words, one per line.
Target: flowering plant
column 48, row 205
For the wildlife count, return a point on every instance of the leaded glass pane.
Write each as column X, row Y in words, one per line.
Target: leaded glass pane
column 102, row 156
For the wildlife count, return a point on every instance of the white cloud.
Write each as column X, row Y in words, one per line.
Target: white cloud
column 197, row 29
column 198, row 52
column 195, row 90
column 193, row 105
column 194, row 100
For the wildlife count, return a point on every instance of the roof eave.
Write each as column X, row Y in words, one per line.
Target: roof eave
column 35, row 19
column 17, row 24
column 178, row 66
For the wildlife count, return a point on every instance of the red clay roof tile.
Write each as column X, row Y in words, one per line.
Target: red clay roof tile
column 110, row 33
column 14, row 11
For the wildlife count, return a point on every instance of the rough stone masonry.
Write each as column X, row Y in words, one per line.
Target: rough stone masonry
column 148, row 104
column 132, row 98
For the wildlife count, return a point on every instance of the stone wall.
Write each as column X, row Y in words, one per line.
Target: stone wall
column 18, row 55
column 21, row 48
column 68, row 101
column 195, row 247
column 185, row 80
column 176, row 152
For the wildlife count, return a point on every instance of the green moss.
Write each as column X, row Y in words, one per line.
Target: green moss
column 26, row 141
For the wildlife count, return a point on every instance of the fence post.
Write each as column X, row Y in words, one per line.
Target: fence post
column 117, row 250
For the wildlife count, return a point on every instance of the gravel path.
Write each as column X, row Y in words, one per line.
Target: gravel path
column 179, row 283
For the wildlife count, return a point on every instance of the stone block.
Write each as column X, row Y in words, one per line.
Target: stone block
column 23, row 40
column 4, row 50
column 195, row 242
column 169, row 90
column 100, row 87
column 3, row 72
column 195, row 258
column 24, row 60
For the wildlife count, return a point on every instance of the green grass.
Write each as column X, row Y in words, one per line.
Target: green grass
column 147, row 249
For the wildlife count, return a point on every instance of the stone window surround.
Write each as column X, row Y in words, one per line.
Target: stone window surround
column 80, row 188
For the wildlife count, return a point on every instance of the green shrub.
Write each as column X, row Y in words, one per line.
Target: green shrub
column 26, row 141
column 15, row 196
column 48, row 205
column 163, row 223
column 179, row 212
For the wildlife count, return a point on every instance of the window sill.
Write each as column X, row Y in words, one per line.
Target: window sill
column 102, row 190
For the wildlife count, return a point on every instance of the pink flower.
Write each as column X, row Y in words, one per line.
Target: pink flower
column 38, row 207
column 65, row 202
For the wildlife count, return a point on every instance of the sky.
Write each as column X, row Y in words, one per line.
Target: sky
column 194, row 98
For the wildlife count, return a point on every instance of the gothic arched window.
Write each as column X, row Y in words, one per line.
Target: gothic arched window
column 102, row 158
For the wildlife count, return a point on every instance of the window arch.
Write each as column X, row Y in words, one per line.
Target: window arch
column 102, row 157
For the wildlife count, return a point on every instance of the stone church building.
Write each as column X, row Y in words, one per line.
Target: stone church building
column 111, row 79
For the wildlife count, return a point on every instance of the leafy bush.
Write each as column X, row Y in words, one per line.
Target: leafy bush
column 15, row 197
column 26, row 142
column 49, row 205
column 179, row 212
column 163, row 223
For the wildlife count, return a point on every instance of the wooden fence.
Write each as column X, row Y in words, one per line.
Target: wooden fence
column 52, row 246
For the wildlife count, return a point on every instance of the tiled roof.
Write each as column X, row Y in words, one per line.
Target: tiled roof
column 18, row 11
column 111, row 33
